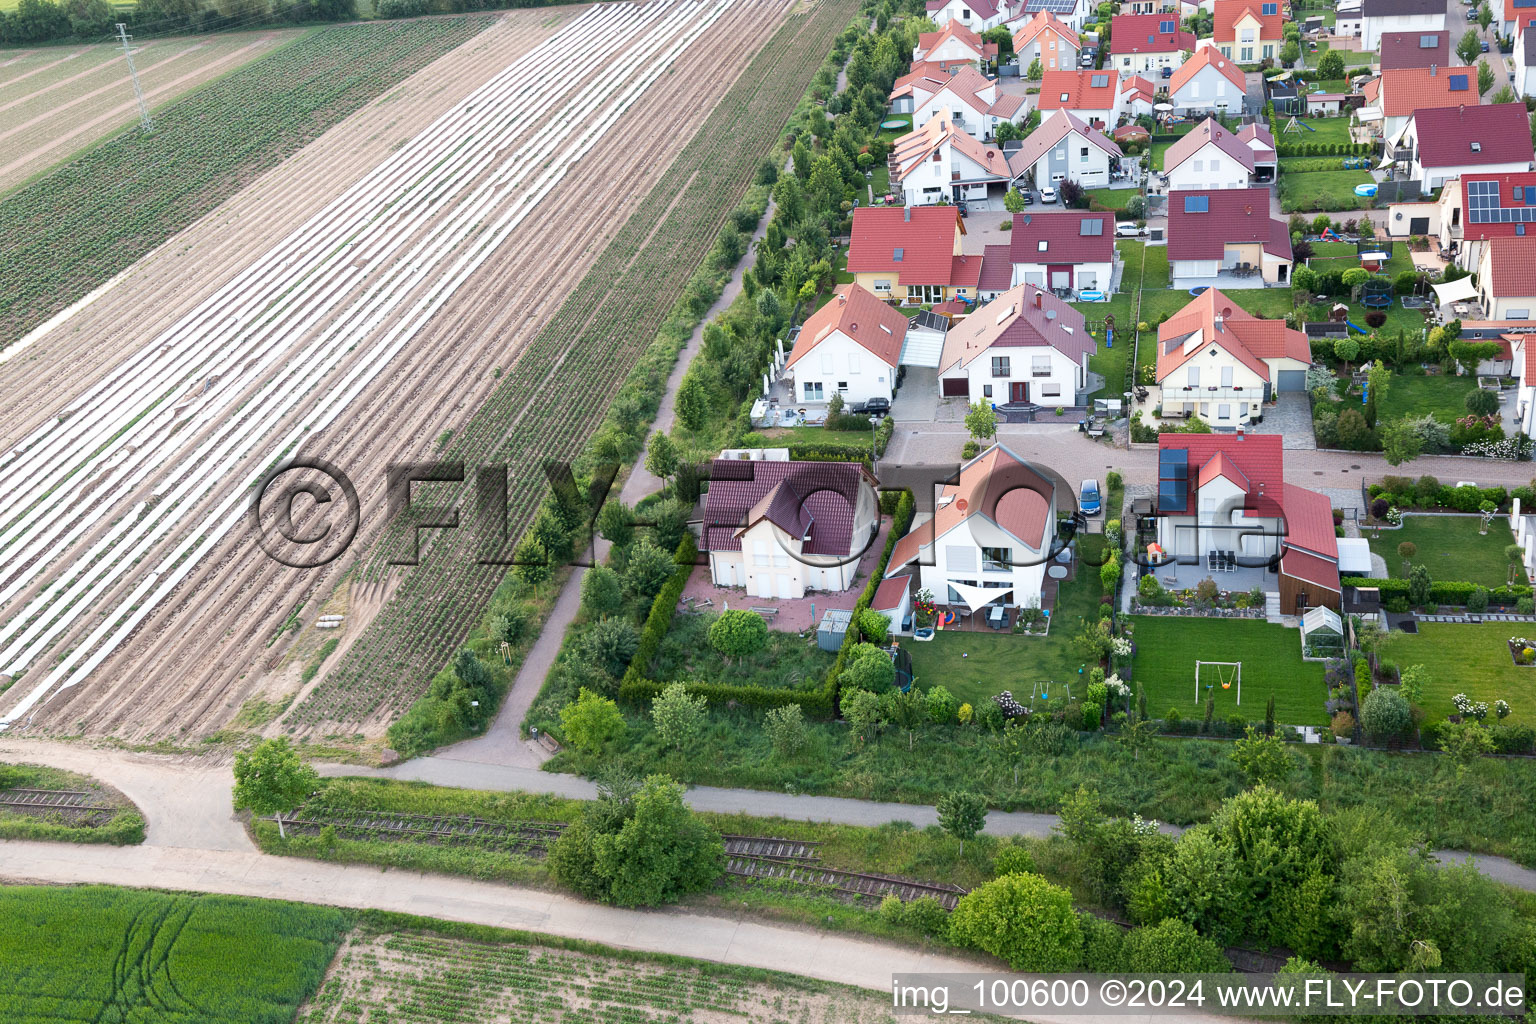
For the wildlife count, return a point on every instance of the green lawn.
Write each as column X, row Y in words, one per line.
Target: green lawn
column 1268, row 303
column 1466, row 659
column 1167, row 647
column 1443, row 396
column 1113, row 198
column 977, row 666
column 1155, row 273
column 1451, row 547
column 1111, row 362
column 789, row 660
column 1324, row 190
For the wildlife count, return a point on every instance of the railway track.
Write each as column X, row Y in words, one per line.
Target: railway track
column 70, row 803
column 853, row 883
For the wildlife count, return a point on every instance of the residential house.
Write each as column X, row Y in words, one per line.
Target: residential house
column 1379, row 17
column 1210, row 157
column 912, row 254
column 1208, row 82
column 920, row 84
column 1414, row 50
column 1225, row 494
column 1140, row 43
column 1222, row 363
column 940, row 163
column 1064, row 252
column 893, row 599
column 1094, row 96
column 1230, row 233
column 1064, row 149
column 1394, row 95
column 1348, row 19
column 971, row 102
column 1045, row 38
column 1138, row 96
column 851, row 346
column 1506, row 277
column 1073, row 13
column 1525, row 56
column 996, row 272
column 1262, row 145
column 1478, row 207
column 952, row 47
column 779, row 528
column 976, row 15
column 991, row 534
column 1248, row 31
column 1422, row 219
column 1024, row 346
column 1510, row 17
column 1450, row 142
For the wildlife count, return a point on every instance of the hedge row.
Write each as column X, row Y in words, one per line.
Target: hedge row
column 1441, row 591
column 663, row 607
column 906, row 508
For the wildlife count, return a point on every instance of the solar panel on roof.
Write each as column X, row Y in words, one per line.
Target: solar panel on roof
column 1197, row 204
column 1091, row 227
column 1099, row 81
column 1458, row 83
column 1171, row 496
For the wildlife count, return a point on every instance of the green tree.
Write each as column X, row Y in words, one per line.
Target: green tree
column 1022, row 919
column 271, row 778
column 1263, row 759
column 801, row 154
column 616, row 522
column 1331, row 65
column 692, row 402
column 862, row 710
column 962, row 815
column 1385, row 715
column 942, row 706
column 1418, row 586
column 1346, row 349
column 738, row 633
column 1290, row 53
column 1013, row 201
column 678, row 716
column 1465, row 743
column 825, row 190
column 1284, row 851
column 609, row 644
column 789, row 197
column 786, row 730
column 1172, row 947
column 981, row 420
column 1506, row 93
column 1481, row 403
column 591, row 722
column 661, row 457
column 1034, row 72
column 908, row 712
column 532, row 563
column 642, row 851
column 601, row 591
column 874, row 625
column 867, row 667
column 1400, row 442
column 648, row 569
column 1484, row 72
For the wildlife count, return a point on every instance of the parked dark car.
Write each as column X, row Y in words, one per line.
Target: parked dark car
column 1485, row 46
column 1167, row 72
column 1029, row 196
column 965, row 211
column 874, row 407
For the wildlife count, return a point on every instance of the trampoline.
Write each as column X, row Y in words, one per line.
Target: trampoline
column 1200, row 290
column 1376, row 293
column 894, row 124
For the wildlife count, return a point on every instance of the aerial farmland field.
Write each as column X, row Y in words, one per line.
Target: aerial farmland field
column 360, row 301
column 55, row 102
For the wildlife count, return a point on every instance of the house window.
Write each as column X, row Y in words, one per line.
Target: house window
column 760, row 553
column 1269, row 50
column 842, row 385
column 1194, row 376
column 1223, row 411
column 1246, row 58
column 1050, row 391
column 1247, row 36
column 883, row 288
column 1226, row 376
column 1199, row 165
column 1000, row 366
column 1083, row 155
column 954, row 595
column 996, row 559
column 1061, row 154
column 1517, row 314
column 986, row 391
column 813, row 391
column 1040, row 366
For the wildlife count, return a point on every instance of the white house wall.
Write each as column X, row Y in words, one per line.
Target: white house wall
column 1372, row 28
column 1057, row 386
column 1208, row 168
column 839, row 360
column 1209, row 89
column 957, row 557
column 1239, row 389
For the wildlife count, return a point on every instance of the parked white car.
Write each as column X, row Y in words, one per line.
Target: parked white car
column 1047, row 195
column 1127, row 229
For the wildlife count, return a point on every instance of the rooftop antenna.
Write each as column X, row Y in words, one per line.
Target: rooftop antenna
column 138, row 93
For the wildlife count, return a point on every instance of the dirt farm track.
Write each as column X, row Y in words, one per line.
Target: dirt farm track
column 356, row 303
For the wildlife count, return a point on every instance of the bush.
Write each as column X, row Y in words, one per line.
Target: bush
column 1385, row 715
column 1477, row 601
column 1023, row 920
column 1103, row 945
column 1013, row 860
column 1375, row 318
column 1172, row 946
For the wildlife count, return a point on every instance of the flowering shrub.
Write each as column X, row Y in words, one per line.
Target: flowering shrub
column 1116, row 686
column 1121, row 646
column 1010, row 707
column 1468, row 708
column 1508, row 448
column 1141, row 827
column 1501, row 709
column 1394, row 516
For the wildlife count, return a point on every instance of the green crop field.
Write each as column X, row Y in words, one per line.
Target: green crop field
column 96, row 953
column 86, row 220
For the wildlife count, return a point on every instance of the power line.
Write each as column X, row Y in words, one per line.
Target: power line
column 138, row 93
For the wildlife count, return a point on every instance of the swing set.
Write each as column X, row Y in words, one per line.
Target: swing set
column 1227, row 674
column 1042, row 691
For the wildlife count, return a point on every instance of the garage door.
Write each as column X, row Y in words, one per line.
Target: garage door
column 1418, row 225
column 1292, row 380
column 957, row 387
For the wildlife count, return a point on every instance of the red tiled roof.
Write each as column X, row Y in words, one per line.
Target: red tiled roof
column 1140, row 33
column 1319, row 572
column 924, row 234
column 1309, row 522
column 1251, row 133
column 1511, row 266
column 996, row 269
column 1507, row 183
column 1129, row 132
column 1230, row 12
column 1039, row 22
column 1402, row 50
column 1137, row 88
column 1063, row 236
column 929, row 41
column 964, row 271
column 859, row 315
column 1247, row 338
column 889, row 594
column 1259, row 457
column 1220, row 465
column 915, row 149
column 818, row 497
column 1057, row 126
column 985, row 8
column 1235, row 215
column 997, row 485
column 1207, row 132
column 1022, row 316
column 1078, row 88
column 1206, row 56
column 1404, row 90
column 1501, row 130
column 926, row 76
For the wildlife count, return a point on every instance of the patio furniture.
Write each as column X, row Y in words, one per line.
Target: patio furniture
column 996, row 617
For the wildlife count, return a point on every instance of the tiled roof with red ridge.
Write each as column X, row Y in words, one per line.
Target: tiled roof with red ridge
column 930, row 41
column 1057, row 126
column 1501, row 131
column 890, row 592
column 925, row 236
column 1078, row 88
column 1404, row 90
column 996, row 269
column 1309, row 522
column 1247, row 338
column 1064, row 237
column 915, row 149
column 1142, row 33
column 1230, row 12
column 1233, row 216
column 1260, row 457
column 859, row 315
column 996, row 484
column 1308, row 568
column 1039, row 22
column 1021, row 317
column 820, row 497
column 1206, row 56
column 1403, row 50
column 985, row 8
column 1512, row 266
column 1207, row 132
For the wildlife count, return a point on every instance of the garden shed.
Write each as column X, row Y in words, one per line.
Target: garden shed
column 1321, row 627
column 834, row 626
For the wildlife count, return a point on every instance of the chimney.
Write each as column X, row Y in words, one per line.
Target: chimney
column 1239, row 431
column 1432, row 70
column 906, row 214
column 842, row 298
column 1037, row 300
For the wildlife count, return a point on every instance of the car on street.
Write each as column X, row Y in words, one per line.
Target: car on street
column 1088, row 499
column 1047, row 195
column 1485, row 46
